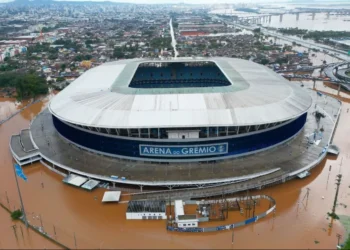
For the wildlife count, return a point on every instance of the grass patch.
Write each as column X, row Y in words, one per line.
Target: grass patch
column 333, row 216
column 345, row 221
column 16, row 215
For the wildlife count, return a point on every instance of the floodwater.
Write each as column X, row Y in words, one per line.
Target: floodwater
column 321, row 22
column 9, row 106
column 77, row 218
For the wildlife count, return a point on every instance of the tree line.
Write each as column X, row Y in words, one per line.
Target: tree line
column 27, row 85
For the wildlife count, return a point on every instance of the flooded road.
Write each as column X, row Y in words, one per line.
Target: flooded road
column 79, row 220
column 173, row 40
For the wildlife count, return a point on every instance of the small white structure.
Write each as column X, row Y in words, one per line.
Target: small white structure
column 184, row 134
column 111, row 196
column 182, row 220
column 146, row 210
column 75, row 180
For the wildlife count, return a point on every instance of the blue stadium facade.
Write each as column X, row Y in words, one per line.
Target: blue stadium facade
column 167, row 150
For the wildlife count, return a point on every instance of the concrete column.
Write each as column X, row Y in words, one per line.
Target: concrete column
column 313, row 16
column 314, row 83
column 269, row 19
column 141, row 188
column 113, row 184
column 297, row 16
column 281, row 17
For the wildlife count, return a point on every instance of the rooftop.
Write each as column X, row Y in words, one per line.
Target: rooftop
column 102, row 97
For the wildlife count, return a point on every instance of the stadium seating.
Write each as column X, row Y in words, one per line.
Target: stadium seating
column 178, row 77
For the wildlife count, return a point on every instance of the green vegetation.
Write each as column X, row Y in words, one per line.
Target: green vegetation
column 292, row 31
column 27, row 85
column 257, row 30
column 326, row 34
column 345, row 221
column 347, row 73
column 68, row 44
column 347, row 244
column 125, row 52
column 333, row 216
column 247, row 10
column 16, row 215
column 39, row 48
column 264, row 61
column 9, row 65
column 60, row 79
column 161, row 42
column 80, row 58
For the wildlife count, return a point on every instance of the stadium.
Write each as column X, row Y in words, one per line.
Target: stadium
column 179, row 110
column 180, row 123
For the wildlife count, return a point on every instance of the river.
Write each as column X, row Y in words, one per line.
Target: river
column 321, row 21
column 80, row 220
column 173, row 40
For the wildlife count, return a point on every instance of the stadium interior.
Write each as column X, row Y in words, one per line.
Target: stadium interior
column 178, row 75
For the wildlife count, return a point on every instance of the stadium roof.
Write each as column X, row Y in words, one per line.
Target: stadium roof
column 101, row 97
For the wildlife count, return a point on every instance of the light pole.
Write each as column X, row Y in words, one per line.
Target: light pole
column 338, row 181
column 20, row 198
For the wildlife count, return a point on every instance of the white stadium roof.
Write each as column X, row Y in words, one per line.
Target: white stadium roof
column 101, row 97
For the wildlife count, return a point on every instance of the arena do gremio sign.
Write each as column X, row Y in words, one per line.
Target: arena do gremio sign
column 184, row 151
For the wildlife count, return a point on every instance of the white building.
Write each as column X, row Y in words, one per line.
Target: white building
column 183, row 220
column 146, row 210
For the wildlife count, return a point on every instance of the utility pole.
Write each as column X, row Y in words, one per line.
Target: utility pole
column 338, row 181
column 339, row 237
column 254, row 203
column 170, row 206
column 232, row 236
column 20, row 198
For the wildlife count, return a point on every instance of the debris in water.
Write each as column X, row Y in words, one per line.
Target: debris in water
column 316, row 242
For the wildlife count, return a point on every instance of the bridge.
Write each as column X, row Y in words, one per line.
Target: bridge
column 302, row 69
column 332, row 72
column 261, row 18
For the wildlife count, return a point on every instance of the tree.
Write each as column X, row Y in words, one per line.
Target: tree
column 257, row 30
column 63, row 66
column 264, row 61
column 118, row 53
column 60, row 79
column 16, row 215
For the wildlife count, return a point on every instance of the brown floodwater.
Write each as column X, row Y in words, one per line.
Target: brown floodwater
column 80, row 220
column 9, row 106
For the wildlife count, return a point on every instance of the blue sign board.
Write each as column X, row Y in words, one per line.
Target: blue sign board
column 184, row 150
